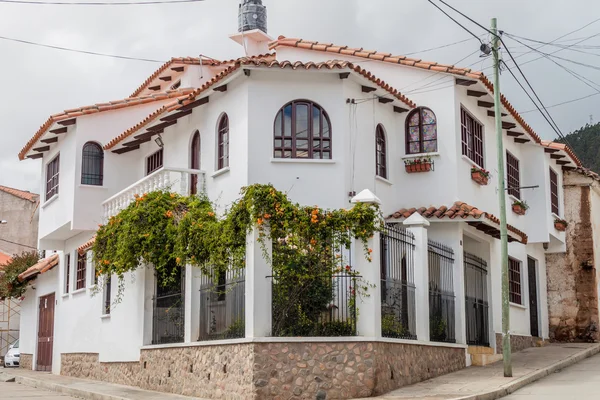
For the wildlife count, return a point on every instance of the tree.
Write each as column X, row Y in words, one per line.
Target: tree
column 10, row 286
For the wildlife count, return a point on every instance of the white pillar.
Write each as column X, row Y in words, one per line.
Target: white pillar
column 258, row 287
column 418, row 226
column 368, row 306
column 459, row 287
column 192, row 304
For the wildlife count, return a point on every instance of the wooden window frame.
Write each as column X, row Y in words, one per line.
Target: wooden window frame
column 313, row 152
column 513, row 175
column 195, row 160
column 223, row 141
column 554, row 200
column 421, row 142
column 380, row 152
column 67, row 273
column 81, row 272
column 154, row 161
column 472, row 138
column 89, row 161
column 515, row 280
column 52, row 177
column 106, row 296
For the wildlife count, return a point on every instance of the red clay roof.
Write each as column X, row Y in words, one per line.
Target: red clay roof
column 4, row 259
column 563, row 147
column 457, row 210
column 402, row 60
column 587, row 172
column 257, row 62
column 25, row 195
column 41, row 267
column 86, row 246
column 96, row 108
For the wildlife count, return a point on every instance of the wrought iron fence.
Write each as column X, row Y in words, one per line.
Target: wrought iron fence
column 476, row 300
column 397, row 283
column 441, row 293
column 169, row 311
column 222, row 305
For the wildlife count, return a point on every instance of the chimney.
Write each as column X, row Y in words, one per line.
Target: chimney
column 252, row 28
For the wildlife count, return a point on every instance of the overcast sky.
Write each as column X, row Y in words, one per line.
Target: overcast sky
column 39, row 82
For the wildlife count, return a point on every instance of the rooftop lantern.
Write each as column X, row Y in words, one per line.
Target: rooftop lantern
column 252, row 15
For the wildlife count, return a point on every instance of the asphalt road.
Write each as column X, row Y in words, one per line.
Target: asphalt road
column 16, row 391
column 579, row 382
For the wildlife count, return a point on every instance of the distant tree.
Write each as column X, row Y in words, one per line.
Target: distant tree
column 586, row 144
column 10, row 271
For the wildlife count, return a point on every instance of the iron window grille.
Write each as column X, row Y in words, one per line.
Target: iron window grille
column 514, row 280
column 513, row 176
column 421, row 131
column 380, row 152
column 223, row 142
column 168, row 316
column 154, row 162
column 81, row 271
column 441, row 293
column 52, row 170
column 92, row 164
column 472, row 138
column 302, row 129
column 107, row 296
column 67, row 272
column 476, row 300
column 554, row 191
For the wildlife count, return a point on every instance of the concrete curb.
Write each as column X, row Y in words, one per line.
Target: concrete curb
column 517, row 384
column 71, row 391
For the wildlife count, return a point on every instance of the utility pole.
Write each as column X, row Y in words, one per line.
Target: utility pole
column 506, row 352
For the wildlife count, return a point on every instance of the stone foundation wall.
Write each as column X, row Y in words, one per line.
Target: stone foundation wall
column 26, row 361
column 341, row 370
column 518, row 343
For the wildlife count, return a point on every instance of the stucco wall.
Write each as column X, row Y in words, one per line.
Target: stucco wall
column 22, row 226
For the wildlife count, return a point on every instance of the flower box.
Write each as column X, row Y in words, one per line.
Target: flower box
column 418, row 165
column 480, row 176
column 520, row 207
column 560, row 225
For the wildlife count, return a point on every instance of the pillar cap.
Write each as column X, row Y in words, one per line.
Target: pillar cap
column 366, row 196
column 416, row 220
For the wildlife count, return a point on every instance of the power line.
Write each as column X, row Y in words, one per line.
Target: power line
column 98, row 3
column 455, row 21
column 79, row 51
column 19, row 244
column 439, row 47
column 563, row 103
column 562, row 46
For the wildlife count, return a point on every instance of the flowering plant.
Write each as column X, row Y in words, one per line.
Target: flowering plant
column 413, row 161
column 481, row 171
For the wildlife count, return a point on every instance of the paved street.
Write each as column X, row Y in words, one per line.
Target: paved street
column 16, row 391
column 579, row 382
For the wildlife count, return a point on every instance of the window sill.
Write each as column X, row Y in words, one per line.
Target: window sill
column 555, row 216
column 515, row 305
column 421, row 155
column 65, row 295
column 513, row 198
column 220, row 172
column 302, row 161
column 105, row 316
column 93, row 186
column 84, row 290
column 383, row 180
column 473, row 163
column 50, row 201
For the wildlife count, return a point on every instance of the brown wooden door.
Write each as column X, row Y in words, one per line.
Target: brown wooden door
column 195, row 162
column 45, row 333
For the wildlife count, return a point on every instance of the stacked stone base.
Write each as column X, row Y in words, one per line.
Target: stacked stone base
column 291, row 370
column 26, row 361
column 518, row 343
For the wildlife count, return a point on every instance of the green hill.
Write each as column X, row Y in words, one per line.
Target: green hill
column 586, row 144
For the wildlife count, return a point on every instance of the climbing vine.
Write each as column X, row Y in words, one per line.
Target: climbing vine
column 165, row 229
column 10, row 285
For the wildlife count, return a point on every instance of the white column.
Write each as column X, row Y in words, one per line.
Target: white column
column 459, row 288
column 418, row 226
column 258, row 287
column 368, row 306
column 192, row 300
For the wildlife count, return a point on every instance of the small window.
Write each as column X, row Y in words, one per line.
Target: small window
column 554, row 191
column 223, row 142
column 380, row 152
column 81, row 270
column 52, row 177
column 195, row 162
column 92, row 164
column 67, row 272
column 302, row 130
column 421, row 131
column 106, row 297
column 513, row 178
column 472, row 138
column 154, row 162
column 514, row 280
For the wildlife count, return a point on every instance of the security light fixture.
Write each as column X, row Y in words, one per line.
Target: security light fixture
column 159, row 141
column 3, row 222
column 546, row 245
column 486, row 50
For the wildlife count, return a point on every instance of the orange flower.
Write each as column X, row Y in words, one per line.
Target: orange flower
column 211, row 214
column 136, row 195
column 259, row 221
column 315, row 211
column 370, row 251
column 173, row 195
column 178, row 260
column 169, row 214
column 106, row 262
column 267, row 216
column 313, row 241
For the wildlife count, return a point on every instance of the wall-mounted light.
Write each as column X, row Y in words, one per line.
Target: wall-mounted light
column 3, row 222
column 159, row 141
column 546, row 244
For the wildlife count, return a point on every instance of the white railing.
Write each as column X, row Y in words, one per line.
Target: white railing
column 176, row 180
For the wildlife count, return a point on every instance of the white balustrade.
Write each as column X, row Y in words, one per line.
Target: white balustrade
column 175, row 180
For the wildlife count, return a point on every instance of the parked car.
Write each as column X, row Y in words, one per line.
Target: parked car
column 12, row 357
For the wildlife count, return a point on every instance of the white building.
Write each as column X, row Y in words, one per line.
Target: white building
column 240, row 122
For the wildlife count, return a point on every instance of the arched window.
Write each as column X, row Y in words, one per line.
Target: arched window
column 380, row 152
column 302, row 130
column 92, row 164
column 195, row 161
column 223, row 142
column 421, row 131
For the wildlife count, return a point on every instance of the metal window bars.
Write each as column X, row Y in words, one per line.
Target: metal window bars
column 441, row 293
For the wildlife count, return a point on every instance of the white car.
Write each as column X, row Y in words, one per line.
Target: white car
column 12, row 357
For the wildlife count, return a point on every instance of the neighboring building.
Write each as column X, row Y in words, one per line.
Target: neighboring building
column 573, row 276
column 319, row 122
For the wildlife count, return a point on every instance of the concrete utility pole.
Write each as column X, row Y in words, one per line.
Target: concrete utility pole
column 506, row 352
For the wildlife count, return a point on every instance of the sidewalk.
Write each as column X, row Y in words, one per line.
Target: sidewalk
column 488, row 383
column 83, row 388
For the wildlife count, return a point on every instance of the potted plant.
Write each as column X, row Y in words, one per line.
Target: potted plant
column 520, row 207
column 560, row 224
column 480, row 175
column 418, row 165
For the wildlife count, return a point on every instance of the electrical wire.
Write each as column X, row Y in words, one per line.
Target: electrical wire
column 562, row 46
column 99, row 3
column 455, row 21
column 563, row 103
column 18, row 244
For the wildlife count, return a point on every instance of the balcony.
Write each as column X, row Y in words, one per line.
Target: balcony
column 176, row 180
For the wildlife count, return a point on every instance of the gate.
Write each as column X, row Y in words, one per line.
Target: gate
column 476, row 300
column 533, row 301
column 45, row 333
column 441, row 293
column 168, row 314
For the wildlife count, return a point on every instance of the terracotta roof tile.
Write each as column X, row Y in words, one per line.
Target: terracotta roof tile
column 32, row 197
column 460, row 210
column 588, row 172
column 4, row 259
column 565, row 148
column 86, row 246
column 96, row 108
column 41, row 267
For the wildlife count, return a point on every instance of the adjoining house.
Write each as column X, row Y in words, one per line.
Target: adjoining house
column 321, row 123
column 573, row 276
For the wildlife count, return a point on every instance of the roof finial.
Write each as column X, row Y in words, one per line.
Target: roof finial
column 252, row 15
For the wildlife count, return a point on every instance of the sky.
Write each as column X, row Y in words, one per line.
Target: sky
column 39, row 82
